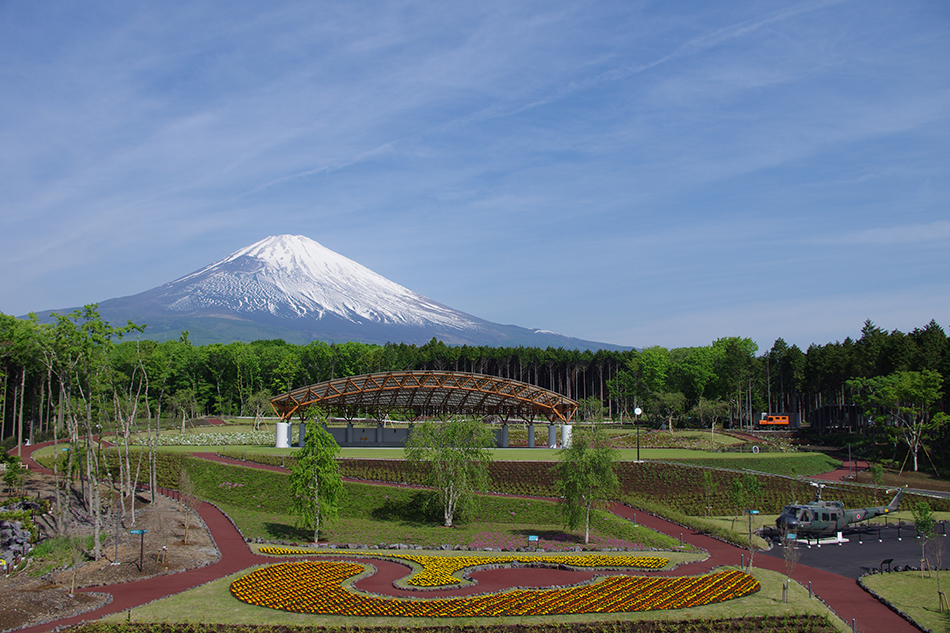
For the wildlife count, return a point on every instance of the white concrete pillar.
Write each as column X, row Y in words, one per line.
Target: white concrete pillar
column 283, row 435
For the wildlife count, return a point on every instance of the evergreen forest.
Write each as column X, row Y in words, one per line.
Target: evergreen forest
column 78, row 375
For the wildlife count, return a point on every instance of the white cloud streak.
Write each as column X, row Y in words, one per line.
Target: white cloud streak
column 418, row 139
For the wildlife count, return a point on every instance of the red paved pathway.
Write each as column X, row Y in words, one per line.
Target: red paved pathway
column 842, row 594
column 847, row 469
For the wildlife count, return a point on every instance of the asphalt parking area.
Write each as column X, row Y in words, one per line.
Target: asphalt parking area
column 866, row 550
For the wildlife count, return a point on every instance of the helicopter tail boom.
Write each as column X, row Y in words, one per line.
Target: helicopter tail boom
column 896, row 501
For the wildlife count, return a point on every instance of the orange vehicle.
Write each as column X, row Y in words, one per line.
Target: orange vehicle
column 774, row 420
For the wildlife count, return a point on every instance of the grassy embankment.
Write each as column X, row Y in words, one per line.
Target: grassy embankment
column 257, row 500
column 915, row 596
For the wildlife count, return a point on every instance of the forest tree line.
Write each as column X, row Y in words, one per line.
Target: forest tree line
column 98, row 374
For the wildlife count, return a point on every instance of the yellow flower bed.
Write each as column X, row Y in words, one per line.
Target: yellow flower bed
column 315, row 587
column 438, row 571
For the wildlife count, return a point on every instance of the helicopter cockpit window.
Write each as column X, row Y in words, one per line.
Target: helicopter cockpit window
column 804, row 515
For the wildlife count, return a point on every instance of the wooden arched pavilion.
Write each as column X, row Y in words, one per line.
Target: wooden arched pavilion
column 422, row 393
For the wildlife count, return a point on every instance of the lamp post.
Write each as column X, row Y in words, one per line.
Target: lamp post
column 637, row 413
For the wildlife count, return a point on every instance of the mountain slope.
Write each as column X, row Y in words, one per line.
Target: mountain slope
column 294, row 288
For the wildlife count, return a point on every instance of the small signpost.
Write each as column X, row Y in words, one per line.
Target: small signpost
column 751, row 546
column 141, row 534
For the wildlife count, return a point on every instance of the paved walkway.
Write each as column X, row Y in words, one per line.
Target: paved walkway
column 847, row 471
column 842, row 594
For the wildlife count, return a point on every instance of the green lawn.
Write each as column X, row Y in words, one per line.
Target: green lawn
column 913, row 595
column 213, row 603
column 257, row 501
column 605, row 529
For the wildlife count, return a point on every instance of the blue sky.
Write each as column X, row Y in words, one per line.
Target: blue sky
column 639, row 173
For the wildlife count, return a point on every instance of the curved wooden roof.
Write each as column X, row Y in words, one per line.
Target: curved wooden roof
column 429, row 393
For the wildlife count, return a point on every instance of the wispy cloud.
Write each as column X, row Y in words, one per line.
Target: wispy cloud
column 635, row 157
column 909, row 234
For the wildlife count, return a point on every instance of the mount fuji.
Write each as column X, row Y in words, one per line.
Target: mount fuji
column 293, row 288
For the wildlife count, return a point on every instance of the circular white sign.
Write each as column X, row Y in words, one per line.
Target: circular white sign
column 637, row 411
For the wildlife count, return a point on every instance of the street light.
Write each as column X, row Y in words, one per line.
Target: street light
column 637, row 413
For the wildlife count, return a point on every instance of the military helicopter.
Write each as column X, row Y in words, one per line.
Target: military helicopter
column 827, row 517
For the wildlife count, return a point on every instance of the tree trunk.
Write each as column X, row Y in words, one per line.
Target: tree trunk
column 94, row 505
column 59, row 516
column 587, row 524
column 316, row 507
column 20, row 431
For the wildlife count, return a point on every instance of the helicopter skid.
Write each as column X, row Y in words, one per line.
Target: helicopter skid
column 818, row 541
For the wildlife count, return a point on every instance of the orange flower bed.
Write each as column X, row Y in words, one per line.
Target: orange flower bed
column 316, row 587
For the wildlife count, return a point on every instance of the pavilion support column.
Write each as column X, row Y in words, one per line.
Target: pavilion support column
column 552, row 436
column 531, row 435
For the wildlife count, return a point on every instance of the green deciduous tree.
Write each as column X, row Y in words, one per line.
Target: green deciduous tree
column 926, row 528
column 456, row 453
column 590, row 409
column 14, row 475
column 315, row 482
column 668, row 406
column 906, row 399
column 259, row 405
column 745, row 493
column 710, row 412
column 585, row 475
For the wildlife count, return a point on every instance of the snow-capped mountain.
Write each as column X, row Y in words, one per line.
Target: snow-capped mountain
column 295, row 278
column 292, row 287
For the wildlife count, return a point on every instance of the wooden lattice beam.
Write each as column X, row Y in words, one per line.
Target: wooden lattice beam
column 425, row 392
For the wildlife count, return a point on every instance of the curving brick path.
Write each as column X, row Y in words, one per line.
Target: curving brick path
column 842, row 594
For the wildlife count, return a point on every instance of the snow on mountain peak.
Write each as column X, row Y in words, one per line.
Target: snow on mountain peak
column 293, row 276
column 288, row 252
